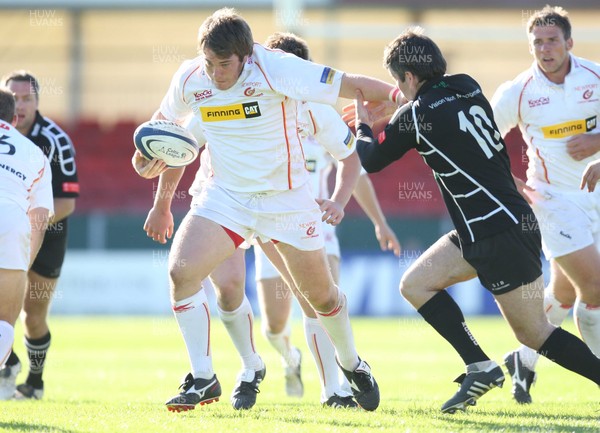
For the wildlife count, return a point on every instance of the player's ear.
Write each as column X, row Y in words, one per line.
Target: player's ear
column 14, row 120
column 569, row 44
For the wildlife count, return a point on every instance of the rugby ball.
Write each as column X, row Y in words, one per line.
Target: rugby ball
column 166, row 140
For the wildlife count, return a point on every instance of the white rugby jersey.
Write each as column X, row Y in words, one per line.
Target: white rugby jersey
column 252, row 128
column 326, row 138
column 25, row 175
column 550, row 114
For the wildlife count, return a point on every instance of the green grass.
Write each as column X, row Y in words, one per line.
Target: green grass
column 114, row 374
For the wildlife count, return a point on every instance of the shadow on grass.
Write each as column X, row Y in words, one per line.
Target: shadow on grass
column 33, row 427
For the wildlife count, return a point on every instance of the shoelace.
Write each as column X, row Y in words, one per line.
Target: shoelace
column 247, row 386
column 189, row 382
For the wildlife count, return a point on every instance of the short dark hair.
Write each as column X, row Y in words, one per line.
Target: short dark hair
column 290, row 43
column 7, row 104
column 22, row 76
column 551, row 16
column 226, row 33
column 416, row 53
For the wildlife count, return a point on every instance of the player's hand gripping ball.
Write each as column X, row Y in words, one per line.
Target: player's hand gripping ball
column 166, row 140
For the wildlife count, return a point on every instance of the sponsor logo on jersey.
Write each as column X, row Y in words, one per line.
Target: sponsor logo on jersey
column 70, row 187
column 349, row 140
column 249, row 91
column 588, row 94
column 327, row 75
column 544, row 100
column 311, row 165
column 230, row 112
column 203, row 94
column 568, row 129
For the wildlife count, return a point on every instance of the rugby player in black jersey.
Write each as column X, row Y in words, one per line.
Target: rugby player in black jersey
column 451, row 124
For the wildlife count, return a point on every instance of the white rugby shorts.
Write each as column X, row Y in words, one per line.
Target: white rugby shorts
column 569, row 220
column 265, row 269
column 291, row 217
column 15, row 237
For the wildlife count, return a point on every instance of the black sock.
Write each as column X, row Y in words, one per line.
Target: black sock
column 13, row 359
column 571, row 353
column 37, row 350
column 445, row 316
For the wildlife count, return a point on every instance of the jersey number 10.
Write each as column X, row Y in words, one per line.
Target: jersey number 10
column 477, row 130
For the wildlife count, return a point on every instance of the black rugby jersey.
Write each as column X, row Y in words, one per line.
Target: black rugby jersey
column 57, row 146
column 451, row 124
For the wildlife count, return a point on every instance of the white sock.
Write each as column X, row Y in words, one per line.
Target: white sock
column 331, row 377
column 239, row 325
column 281, row 343
column 337, row 324
column 555, row 310
column 193, row 317
column 556, row 313
column 7, row 338
column 587, row 318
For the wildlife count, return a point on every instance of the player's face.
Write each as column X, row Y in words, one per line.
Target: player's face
column 224, row 72
column 551, row 51
column 26, row 104
column 406, row 87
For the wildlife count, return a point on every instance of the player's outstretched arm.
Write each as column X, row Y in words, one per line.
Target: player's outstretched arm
column 371, row 88
column 347, row 175
column 364, row 193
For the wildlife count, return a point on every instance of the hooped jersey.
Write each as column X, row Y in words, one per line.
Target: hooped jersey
column 451, row 125
column 252, row 127
column 25, row 176
column 59, row 149
column 548, row 115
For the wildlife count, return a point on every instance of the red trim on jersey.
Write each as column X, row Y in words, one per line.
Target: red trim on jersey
column 314, row 338
column 287, row 144
column 593, row 72
column 265, row 75
column 537, row 151
column 312, row 119
column 521, row 95
column 70, row 187
column 205, row 305
column 237, row 239
column 274, row 241
column 184, row 82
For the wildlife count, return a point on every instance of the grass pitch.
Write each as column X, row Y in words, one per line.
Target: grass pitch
column 114, row 374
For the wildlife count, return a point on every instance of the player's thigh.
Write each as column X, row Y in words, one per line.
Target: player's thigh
column 12, row 287
column 583, row 269
column 560, row 286
column 440, row 266
column 199, row 246
column 334, row 267
column 523, row 309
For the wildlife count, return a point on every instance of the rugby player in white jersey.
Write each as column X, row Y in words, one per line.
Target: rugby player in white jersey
column 556, row 104
column 323, row 134
column 25, row 209
column 245, row 99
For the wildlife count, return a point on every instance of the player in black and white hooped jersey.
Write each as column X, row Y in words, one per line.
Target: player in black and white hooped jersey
column 451, row 124
column 45, row 271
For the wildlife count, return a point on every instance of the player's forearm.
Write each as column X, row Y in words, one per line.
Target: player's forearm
column 371, row 88
column 364, row 193
column 167, row 185
column 63, row 207
column 346, row 178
